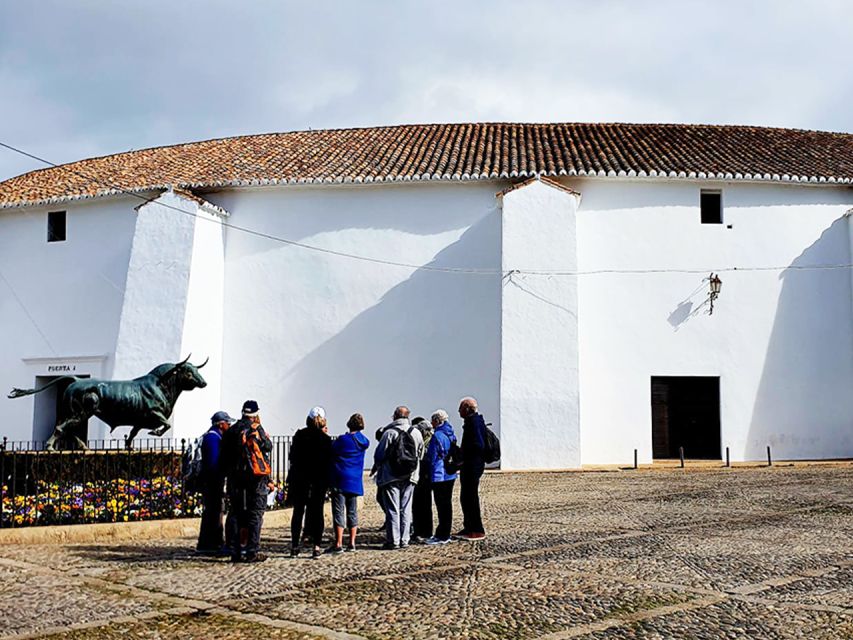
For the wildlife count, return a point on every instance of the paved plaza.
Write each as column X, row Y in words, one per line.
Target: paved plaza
column 759, row 553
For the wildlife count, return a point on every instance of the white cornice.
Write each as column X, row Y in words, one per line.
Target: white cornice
column 764, row 178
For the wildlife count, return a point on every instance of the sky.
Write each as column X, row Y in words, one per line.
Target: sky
column 84, row 78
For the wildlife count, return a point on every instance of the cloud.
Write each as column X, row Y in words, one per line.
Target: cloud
column 89, row 78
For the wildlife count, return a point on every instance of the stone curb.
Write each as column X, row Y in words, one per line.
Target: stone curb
column 119, row 531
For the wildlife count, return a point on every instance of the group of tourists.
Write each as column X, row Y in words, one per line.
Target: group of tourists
column 415, row 462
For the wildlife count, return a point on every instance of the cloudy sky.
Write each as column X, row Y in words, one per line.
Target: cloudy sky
column 82, row 78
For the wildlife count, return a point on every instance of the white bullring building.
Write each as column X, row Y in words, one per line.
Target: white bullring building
column 559, row 273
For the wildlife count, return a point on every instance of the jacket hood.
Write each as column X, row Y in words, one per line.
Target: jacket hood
column 360, row 440
column 447, row 429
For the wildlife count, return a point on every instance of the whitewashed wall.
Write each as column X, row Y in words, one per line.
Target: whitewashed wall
column 174, row 303
column 539, row 394
column 781, row 341
column 72, row 292
column 305, row 328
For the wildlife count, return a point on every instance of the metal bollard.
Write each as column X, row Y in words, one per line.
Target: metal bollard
column 769, row 459
column 728, row 462
column 681, row 455
column 635, row 458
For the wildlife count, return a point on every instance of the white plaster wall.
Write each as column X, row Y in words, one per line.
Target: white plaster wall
column 203, row 326
column 174, row 303
column 780, row 340
column 305, row 328
column 72, row 291
column 539, row 394
column 152, row 317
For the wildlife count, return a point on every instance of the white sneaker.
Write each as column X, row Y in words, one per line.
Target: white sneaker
column 433, row 540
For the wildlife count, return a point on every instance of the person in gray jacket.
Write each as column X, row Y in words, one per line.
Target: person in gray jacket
column 397, row 491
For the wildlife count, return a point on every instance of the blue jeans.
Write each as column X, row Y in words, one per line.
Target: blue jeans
column 345, row 510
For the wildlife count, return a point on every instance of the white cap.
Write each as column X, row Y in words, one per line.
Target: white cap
column 317, row 412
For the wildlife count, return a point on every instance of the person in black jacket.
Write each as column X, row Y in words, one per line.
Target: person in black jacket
column 473, row 465
column 308, row 480
column 247, row 491
column 422, row 498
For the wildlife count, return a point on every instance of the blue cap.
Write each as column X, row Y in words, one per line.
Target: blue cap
column 221, row 416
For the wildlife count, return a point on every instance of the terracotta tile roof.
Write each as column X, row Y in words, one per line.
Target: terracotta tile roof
column 452, row 152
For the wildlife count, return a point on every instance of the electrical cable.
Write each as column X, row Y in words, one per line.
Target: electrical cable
column 416, row 267
column 27, row 313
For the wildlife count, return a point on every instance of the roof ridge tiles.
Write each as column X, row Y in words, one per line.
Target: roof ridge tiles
column 455, row 151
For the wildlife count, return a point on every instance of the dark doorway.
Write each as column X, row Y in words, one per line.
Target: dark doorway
column 46, row 406
column 686, row 413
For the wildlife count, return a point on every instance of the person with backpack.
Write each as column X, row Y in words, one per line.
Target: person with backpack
column 422, row 497
column 211, row 480
column 308, row 481
column 397, row 459
column 379, row 433
column 473, row 465
column 247, row 448
column 347, row 481
column 439, row 467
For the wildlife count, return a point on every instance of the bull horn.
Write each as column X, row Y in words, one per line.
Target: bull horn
column 203, row 363
column 176, row 367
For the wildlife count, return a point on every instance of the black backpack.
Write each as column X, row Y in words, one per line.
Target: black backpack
column 492, row 448
column 402, row 455
column 191, row 466
column 453, row 458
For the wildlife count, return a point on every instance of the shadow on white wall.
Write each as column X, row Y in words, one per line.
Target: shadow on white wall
column 430, row 340
column 693, row 305
column 804, row 403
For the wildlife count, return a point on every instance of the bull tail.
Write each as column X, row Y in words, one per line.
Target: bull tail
column 20, row 393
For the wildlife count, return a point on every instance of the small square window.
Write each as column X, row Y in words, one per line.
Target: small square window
column 711, row 204
column 56, row 226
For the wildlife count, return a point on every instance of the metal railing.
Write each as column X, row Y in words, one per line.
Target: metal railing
column 107, row 482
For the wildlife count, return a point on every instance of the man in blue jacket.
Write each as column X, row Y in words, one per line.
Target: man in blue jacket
column 210, row 535
column 473, row 464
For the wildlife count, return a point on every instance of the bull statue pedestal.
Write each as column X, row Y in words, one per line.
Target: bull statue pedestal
column 142, row 403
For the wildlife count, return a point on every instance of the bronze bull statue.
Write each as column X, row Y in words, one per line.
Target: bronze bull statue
column 142, row 403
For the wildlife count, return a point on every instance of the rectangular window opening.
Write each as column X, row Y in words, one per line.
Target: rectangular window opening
column 711, row 205
column 56, row 226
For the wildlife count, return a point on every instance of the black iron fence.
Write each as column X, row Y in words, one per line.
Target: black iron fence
column 107, row 482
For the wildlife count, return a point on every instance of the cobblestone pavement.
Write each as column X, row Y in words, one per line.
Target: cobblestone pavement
column 759, row 553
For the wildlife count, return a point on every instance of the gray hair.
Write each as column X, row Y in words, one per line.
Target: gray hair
column 439, row 417
column 401, row 412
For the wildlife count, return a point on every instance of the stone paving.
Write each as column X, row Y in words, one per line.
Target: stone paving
column 744, row 553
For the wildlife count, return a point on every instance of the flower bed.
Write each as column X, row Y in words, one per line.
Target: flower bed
column 57, row 488
column 107, row 501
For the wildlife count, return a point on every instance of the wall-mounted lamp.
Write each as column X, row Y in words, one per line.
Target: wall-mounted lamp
column 716, row 284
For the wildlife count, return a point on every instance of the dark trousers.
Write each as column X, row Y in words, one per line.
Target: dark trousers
column 380, row 500
column 443, row 494
column 307, row 506
column 422, row 510
column 248, row 505
column 210, row 534
column 469, row 498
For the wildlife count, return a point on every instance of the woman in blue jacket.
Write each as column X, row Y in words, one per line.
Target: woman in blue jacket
column 442, row 481
column 347, row 481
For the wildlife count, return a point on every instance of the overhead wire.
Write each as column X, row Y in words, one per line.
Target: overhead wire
column 423, row 267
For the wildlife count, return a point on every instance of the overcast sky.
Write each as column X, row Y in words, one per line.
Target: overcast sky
column 83, row 78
